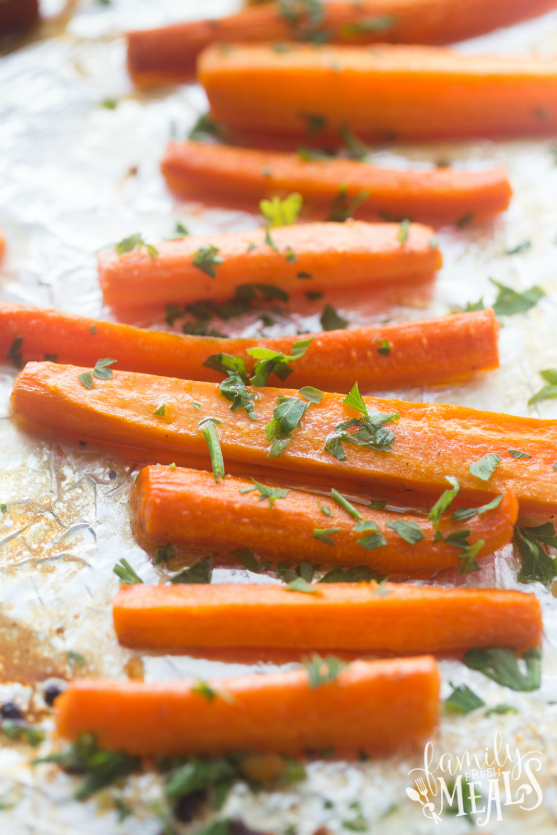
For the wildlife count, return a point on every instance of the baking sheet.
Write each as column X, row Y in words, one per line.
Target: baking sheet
column 75, row 176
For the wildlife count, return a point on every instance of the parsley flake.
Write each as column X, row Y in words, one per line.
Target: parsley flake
column 281, row 212
column 445, row 501
column 323, row 670
column 272, row 362
column 200, row 573
column 384, row 347
column 468, row 512
column 537, row 565
column 206, row 259
column 370, row 432
column 549, row 391
column 342, row 208
column 323, row 508
column 270, row 493
column 499, row 710
column 517, row 453
column 301, row 585
column 331, row 320
column 164, row 553
column 357, row 574
column 160, row 410
column 125, row 572
column 402, row 234
column 345, row 504
column 467, row 557
column 312, row 394
column 326, row 534
column 462, row 700
column 486, row 466
column 209, row 432
column 501, row 665
column 379, row 23
column 135, row 242
column 409, row 531
column 205, row 126
column 247, row 558
column 373, row 540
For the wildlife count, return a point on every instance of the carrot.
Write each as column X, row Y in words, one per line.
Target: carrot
column 169, row 54
column 431, row 441
column 421, row 353
column 375, row 706
column 393, row 618
column 186, row 507
column 417, row 92
column 18, row 15
column 2, row 244
column 353, row 254
column 241, row 177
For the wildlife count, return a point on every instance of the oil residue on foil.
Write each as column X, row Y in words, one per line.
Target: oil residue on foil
column 77, row 176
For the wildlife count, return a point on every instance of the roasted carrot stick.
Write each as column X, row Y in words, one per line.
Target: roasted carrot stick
column 18, row 15
column 186, row 507
column 430, row 352
column 431, row 441
column 346, row 254
column 417, row 92
column 375, row 706
column 240, row 177
column 170, row 53
column 2, row 244
column 394, row 618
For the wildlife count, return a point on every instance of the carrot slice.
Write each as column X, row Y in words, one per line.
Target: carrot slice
column 169, row 54
column 417, row 92
column 18, row 15
column 186, row 507
column 375, row 706
column 394, row 618
column 240, row 177
column 351, row 254
column 2, row 244
column 428, row 352
column 431, row 440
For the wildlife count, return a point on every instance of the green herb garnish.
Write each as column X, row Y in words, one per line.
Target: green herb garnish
column 342, row 208
column 549, row 391
column 101, row 371
column 373, row 540
column 272, row 362
column 331, row 320
column 384, row 347
column 326, row 534
column 20, row 730
column 270, row 493
column 537, row 565
column 135, row 242
column 379, row 23
column 164, row 553
column 200, row 573
column 160, row 411
column 402, row 234
column 323, row 670
column 281, row 212
column 370, row 432
column 409, row 531
column 445, row 501
column 517, row 453
column 501, row 665
column 462, row 700
column 467, row 512
column 357, row 574
column 125, row 572
column 206, row 259
column 205, row 126
column 345, row 504
column 209, row 432
column 301, row 585
column 486, row 466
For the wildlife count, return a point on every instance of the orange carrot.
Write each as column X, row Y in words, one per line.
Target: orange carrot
column 2, row 244
column 169, row 54
column 18, row 15
column 375, row 706
column 431, row 441
column 416, row 92
column 240, row 177
column 394, row 618
column 187, row 507
column 421, row 353
column 351, row 254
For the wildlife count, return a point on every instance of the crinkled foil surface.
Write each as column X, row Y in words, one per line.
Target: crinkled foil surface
column 75, row 176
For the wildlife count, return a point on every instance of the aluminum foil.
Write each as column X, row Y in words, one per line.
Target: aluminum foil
column 76, row 176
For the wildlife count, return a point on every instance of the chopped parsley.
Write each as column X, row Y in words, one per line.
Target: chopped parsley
column 312, row 394
column 287, row 414
column 206, row 259
column 135, row 242
column 209, row 432
column 549, row 391
column 98, row 767
column 509, row 301
column 281, row 212
column 101, row 371
column 272, row 362
column 384, row 348
column 180, row 230
column 522, row 247
column 160, row 411
column 402, row 234
column 323, row 508
column 93, row 330
column 486, row 466
column 370, row 432
column 379, row 23
column 409, row 531
column 304, row 17
column 531, row 544
column 200, row 573
column 247, row 558
column 463, row 700
column 355, row 147
column 467, row 557
column 373, row 540
column 301, row 585
column 445, row 501
column 326, row 534
column 125, row 572
column 164, row 553
column 357, row 574
column 233, row 388
column 499, row 710
column 331, row 321
column 345, row 504
column 468, row 512
column 323, row 670
column 17, row 729
column 342, row 208
column 205, row 126
column 270, row 493
column 501, row 665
